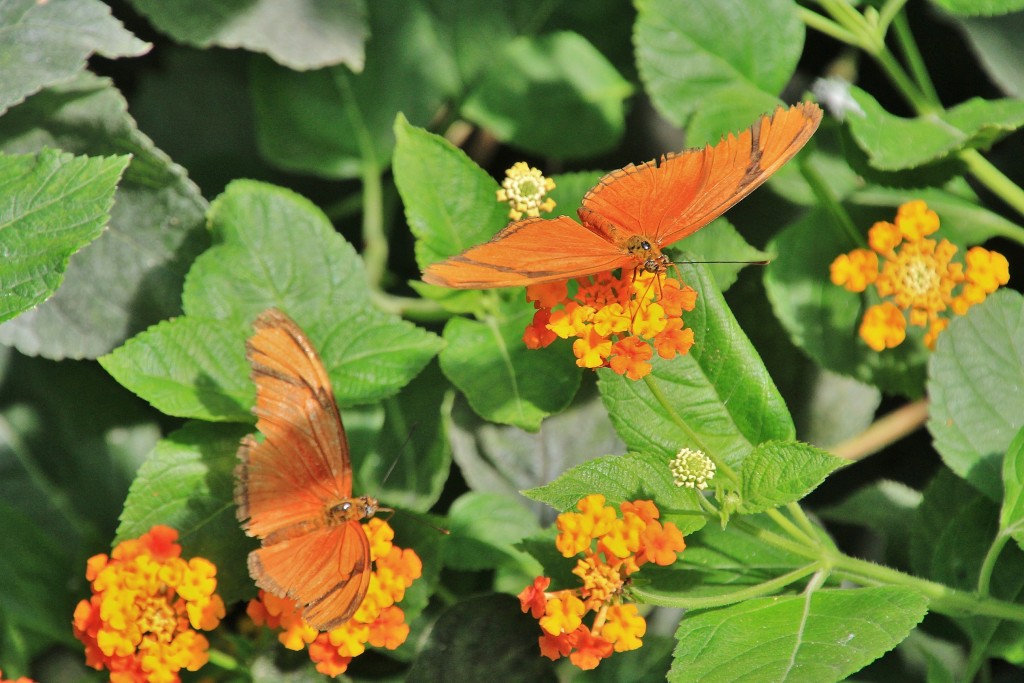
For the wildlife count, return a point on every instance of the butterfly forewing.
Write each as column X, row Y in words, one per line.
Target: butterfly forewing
column 290, row 485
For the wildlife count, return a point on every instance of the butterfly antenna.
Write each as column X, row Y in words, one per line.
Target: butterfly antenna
column 401, row 451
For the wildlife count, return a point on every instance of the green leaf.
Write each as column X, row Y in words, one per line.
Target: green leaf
column 156, row 226
column 484, row 528
column 450, row 202
column 717, row 398
column 44, row 43
column 409, row 460
column 452, row 651
column 719, row 241
column 776, row 473
column 974, row 378
column 554, row 95
column 993, row 40
column 474, row 32
column 300, row 34
column 56, row 204
column 823, row 319
column 187, row 367
column 690, row 54
column 335, row 123
column 1011, row 517
column 634, row 476
column 820, row 637
column 187, row 483
column 972, row 8
column 503, row 380
column 498, row 458
column 275, row 249
column 941, row 551
column 893, row 143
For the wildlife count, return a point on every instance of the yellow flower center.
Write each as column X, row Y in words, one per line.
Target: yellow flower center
column 919, row 277
column 524, row 188
column 157, row 618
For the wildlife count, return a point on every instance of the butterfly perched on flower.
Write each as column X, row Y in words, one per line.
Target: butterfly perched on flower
column 634, row 212
column 294, row 488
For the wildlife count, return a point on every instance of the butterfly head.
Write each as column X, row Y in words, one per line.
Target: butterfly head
column 648, row 254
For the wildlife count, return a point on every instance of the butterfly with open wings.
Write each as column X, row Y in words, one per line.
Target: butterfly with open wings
column 635, row 212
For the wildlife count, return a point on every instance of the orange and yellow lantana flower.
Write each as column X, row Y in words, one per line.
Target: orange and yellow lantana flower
column 608, row 550
column 378, row 621
column 916, row 277
column 148, row 605
column 618, row 321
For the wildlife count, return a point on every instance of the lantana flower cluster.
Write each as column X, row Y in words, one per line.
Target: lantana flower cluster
column 608, row 549
column 148, row 605
column 378, row 621
column 916, row 277
column 618, row 321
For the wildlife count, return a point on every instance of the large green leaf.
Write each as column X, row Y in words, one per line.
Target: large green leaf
column 43, row 43
column 55, row 205
column 994, row 42
column 554, row 95
column 717, row 398
column 820, row 637
column 300, row 34
column 893, row 143
column 974, row 380
column 187, row 483
column 450, row 202
column 699, row 53
column 131, row 276
column 484, row 528
column 275, row 249
column 502, row 379
column 331, row 122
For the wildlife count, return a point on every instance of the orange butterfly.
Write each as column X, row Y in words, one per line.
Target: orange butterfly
column 634, row 212
column 294, row 489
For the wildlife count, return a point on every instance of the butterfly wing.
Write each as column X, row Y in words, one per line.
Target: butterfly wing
column 529, row 252
column 669, row 199
column 286, row 483
column 326, row 570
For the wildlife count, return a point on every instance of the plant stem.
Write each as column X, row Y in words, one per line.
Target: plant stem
column 884, row 431
column 989, row 565
column 996, row 181
column 913, row 56
column 375, row 242
column 757, row 591
column 222, row 659
column 825, row 25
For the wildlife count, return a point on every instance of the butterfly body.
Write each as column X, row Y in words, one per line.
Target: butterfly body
column 634, row 212
column 294, row 488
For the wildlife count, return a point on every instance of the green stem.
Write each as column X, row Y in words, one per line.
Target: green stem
column 888, row 13
column 792, row 529
column 853, row 21
column 375, row 242
column 723, row 469
column 797, row 513
column 757, row 591
column 413, row 308
column 825, row 198
column 996, row 181
column 989, row 565
column 944, row 599
column 222, row 660
column 826, row 26
column 894, row 71
column 913, row 56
